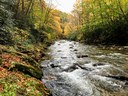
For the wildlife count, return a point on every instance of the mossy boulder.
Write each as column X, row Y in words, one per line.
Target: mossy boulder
column 30, row 70
column 30, row 60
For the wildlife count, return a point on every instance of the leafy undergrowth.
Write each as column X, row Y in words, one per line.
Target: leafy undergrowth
column 20, row 75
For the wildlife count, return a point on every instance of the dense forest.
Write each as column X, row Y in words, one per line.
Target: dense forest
column 101, row 22
column 28, row 27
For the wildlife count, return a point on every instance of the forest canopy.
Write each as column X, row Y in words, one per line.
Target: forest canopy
column 101, row 21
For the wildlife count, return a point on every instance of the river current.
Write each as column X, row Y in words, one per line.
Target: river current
column 75, row 69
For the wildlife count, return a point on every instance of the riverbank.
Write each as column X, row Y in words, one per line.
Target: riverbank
column 20, row 74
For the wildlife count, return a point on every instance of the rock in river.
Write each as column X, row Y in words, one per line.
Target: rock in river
column 82, row 56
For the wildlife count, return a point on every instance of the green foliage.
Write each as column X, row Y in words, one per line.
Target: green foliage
column 6, row 21
column 9, row 90
column 104, row 22
column 72, row 35
column 16, row 84
column 20, row 36
column 10, row 87
column 116, row 32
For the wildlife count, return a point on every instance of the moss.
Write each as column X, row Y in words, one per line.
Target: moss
column 34, row 72
column 30, row 61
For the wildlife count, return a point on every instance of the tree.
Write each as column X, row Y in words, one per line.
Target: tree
column 6, row 20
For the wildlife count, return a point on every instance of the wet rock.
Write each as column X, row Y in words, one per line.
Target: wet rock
column 78, row 56
column 54, row 66
column 85, row 68
column 125, row 47
column 59, row 51
column 63, row 57
column 121, row 78
column 82, row 56
column 71, row 47
column 82, row 67
column 98, row 64
column 75, row 50
column 126, row 83
column 71, row 68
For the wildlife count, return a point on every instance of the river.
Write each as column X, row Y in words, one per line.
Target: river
column 76, row 69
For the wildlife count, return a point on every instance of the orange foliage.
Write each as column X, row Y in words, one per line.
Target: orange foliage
column 7, row 60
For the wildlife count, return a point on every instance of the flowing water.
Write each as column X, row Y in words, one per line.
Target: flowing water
column 81, row 70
